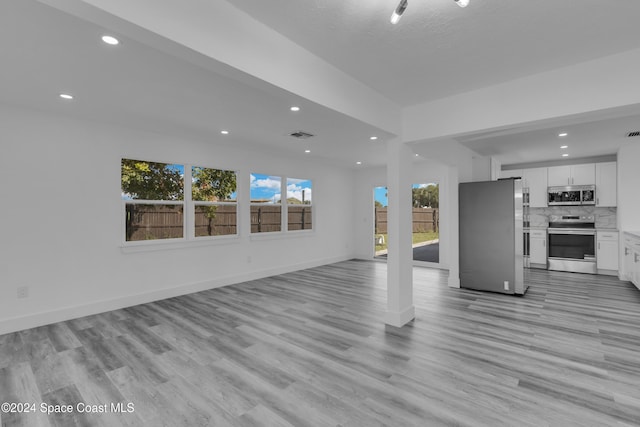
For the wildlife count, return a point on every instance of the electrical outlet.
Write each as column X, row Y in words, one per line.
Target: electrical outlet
column 506, row 285
column 23, row 291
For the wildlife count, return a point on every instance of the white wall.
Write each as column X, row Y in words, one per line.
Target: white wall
column 60, row 223
column 481, row 168
column 628, row 190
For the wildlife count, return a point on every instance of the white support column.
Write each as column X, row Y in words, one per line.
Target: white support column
column 453, row 216
column 400, row 309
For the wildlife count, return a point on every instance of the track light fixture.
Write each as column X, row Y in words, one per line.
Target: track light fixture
column 402, row 6
column 395, row 17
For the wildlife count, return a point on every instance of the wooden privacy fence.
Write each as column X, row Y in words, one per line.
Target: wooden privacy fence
column 265, row 218
column 424, row 220
column 215, row 220
column 150, row 222
column 299, row 217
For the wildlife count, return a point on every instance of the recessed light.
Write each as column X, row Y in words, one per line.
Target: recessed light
column 358, row 163
column 224, row 132
column 110, row 40
column 294, row 108
column 373, row 138
column 565, row 155
column 66, row 96
column 564, row 146
column 307, row 151
column 417, row 155
column 563, row 134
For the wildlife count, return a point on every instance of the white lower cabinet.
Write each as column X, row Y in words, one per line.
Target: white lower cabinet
column 631, row 261
column 538, row 247
column 607, row 251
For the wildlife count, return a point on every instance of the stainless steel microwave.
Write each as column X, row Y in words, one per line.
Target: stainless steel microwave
column 572, row 195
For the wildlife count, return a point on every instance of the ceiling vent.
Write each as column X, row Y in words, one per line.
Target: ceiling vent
column 301, row 134
column 634, row 133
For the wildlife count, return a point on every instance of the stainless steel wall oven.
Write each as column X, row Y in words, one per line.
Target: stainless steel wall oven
column 572, row 243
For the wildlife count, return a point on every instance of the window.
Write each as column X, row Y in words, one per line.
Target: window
column 299, row 208
column 266, row 209
column 215, row 206
column 153, row 198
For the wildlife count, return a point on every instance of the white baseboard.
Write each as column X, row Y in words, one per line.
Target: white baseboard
column 400, row 318
column 67, row 313
column 453, row 281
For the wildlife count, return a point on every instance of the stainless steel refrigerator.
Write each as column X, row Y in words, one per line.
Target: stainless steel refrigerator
column 491, row 237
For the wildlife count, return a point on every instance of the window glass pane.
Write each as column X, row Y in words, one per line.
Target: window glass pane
column 426, row 238
column 213, row 185
column 299, row 217
column 265, row 188
column 265, row 218
column 153, row 222
column 298, row 191
column 216, row 220
column 151, row 181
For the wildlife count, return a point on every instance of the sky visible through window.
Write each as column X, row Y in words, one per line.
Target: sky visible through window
column 265, row 188
column 380, row 193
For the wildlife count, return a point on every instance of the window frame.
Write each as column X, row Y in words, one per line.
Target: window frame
column 309, row 205
column 188, row 213
column 194, row 203
column 283, row 218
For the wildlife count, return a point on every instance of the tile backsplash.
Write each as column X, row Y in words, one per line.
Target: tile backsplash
column 605, row 217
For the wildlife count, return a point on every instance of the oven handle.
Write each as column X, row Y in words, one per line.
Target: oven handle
column 572, row 231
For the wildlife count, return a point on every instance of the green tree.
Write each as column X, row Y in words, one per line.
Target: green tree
column 212, row 185
column 148, row 181
column 151, row 181
column 426, row 196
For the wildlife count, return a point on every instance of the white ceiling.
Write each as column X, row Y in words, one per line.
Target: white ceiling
column 436, row 50
column 46, row 52
column 588, row 136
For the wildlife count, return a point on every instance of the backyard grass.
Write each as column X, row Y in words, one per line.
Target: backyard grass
column 417, row 238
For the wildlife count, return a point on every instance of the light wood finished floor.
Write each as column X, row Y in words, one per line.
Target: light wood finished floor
column 309, row 349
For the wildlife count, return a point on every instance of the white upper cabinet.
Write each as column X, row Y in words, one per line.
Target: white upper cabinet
column 535, row 180
column 606, row 184
column 583, row 174
column 572, row 175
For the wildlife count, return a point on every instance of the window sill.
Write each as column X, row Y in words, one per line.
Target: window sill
column 155, row 245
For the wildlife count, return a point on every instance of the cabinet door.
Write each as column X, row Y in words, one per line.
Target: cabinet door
column 606, row 184
column 583, row 174
column 559, row 175
column 607, row 251
column 628, row 261
column 537, row 250
column 536, row 180
column 636, row 266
